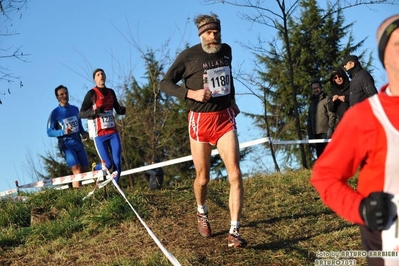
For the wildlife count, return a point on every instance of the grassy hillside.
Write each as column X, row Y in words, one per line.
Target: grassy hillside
column 284, row 222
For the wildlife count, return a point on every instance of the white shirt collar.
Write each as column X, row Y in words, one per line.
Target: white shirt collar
column 388, row 91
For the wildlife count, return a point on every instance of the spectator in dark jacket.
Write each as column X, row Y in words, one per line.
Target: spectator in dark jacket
column 320, row 121
column 362, row 83
column 339, row 101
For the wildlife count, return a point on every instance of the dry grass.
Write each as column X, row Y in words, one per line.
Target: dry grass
column 284, row 222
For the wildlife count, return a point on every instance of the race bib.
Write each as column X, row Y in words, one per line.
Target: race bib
column 218, row 81
column 71, row 122
column 107, row 120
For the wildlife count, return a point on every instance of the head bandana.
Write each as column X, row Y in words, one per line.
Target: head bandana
column 208, row 26
column 383, row 40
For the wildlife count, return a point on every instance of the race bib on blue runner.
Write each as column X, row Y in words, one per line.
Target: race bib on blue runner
column 71, row 122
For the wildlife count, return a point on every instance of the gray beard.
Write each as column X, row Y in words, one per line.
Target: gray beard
column 211, row 49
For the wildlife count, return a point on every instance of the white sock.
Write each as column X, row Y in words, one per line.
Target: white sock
column 234, row 225
column 202, row 209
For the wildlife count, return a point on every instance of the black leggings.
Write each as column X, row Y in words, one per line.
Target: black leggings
column 371, row 240
column 320, row 146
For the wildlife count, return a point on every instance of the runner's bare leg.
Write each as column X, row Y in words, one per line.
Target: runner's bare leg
column 201, row 153
column 228, row 147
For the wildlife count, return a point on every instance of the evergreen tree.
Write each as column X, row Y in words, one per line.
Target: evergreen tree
column 153, row 128
column 155, row 125
column 310, row 47
column 54, row 166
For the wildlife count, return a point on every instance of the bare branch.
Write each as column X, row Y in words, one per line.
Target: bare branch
column 7, row 8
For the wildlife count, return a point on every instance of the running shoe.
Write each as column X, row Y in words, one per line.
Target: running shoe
column 95, row 179
column 93, row 165
column 203, row 225
column 235, row 240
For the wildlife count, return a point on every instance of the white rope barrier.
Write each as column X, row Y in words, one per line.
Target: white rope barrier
column 168, row 255
column 89, row 177
column 63, row 180
column 287, row 142
column 102, row 184
column 110, row 178
column 9, row 193
column 187, row 158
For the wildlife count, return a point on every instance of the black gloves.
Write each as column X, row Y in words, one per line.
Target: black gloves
column 99, row 110
column 122, row 110
column 375, row 210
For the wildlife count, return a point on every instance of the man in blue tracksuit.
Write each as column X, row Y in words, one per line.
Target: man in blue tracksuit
column 65, row 124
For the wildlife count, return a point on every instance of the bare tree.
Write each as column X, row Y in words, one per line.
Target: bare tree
column 10, row 9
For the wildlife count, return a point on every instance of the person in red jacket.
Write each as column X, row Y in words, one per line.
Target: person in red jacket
column 374, row 122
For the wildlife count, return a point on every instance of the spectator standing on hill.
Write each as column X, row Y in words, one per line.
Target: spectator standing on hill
column 373, row 205
column 98, row 105
column 320, row 121
column 64, row 124
column 340, row 93
column 210, row 94
column 362, row 83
